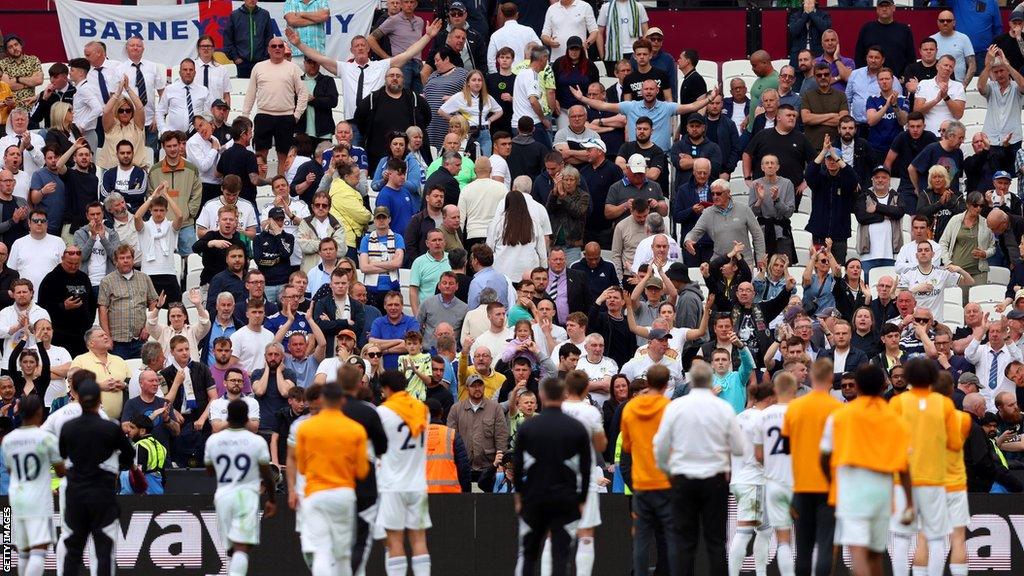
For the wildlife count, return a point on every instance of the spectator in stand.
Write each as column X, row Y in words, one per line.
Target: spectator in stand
column 879, row 215
column 940, row 98
column 31, row 143
column 840, row 67
column 783, row 141
column 773, row 202
column 643, row 70
column 968, row 241
column 97, row 242
column 204, row 150
column 855, row 150
column 21, row 72
column 478, row 202
column 737, row 105
column 388, row 331
column 517, row 239
column 215, row 244
column 512, row 35
column 685, row 152
column 598, row 175
column 46, row 189
column 728, row 224
column 308, row 18
column 527, row 157
column 528, row 95
column 388, row 110
column 183, row 185
column 472, row 46
column 125, row 178
column 956, row 44
column 620, row 24
column 149, row 81
column 657, row 161
column 806, row 24
column 980, row 168
column 33, row 256
column 65, row 292
column 402, row 31
column 1005, row 99
column 567, row 19
column 894, row 38
column 836, row 185
column 314, row 230
column 381, row 253
column 692, row 197
column 500, row 85
column 980, row 21
column 633, row 189
column 279, row 93
column 628, row 234
column 945, row 153
column 722, row 131
column 693, row 85
column 111, row 371
column 59, row 89
column 905, row 147
column 214, row 77
column 486, row 276
column 182, row 101
column 863, row 84
column 124, row 297
column 246, row 36
column 920, row 231
column 13, row 210
column 822, row 108
column 569, row 138
column 87, row 104
column 767, row 79
column 886, row 112
column 239, row 161
column 13, row 163
column 124, row 120
column 568, row 205
column 1008, row 42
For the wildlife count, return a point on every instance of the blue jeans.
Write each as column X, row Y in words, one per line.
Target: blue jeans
column 867, row 265
column 127, row 350
column 484, row 140
column 411, row 71
column 186, row 238
column 652, row 513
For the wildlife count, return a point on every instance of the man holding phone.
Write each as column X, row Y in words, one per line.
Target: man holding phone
column 66, row 293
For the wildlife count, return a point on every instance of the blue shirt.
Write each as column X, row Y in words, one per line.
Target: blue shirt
column 305, row 370
column 54, row 203
column 859, row 86
column 487, row 278
column 881, row 135
column 299, row 325
column 980, row 27
column 660, row 115
column 401, row 205
column 383, row 329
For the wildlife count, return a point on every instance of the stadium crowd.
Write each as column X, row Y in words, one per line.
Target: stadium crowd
column 547, row 195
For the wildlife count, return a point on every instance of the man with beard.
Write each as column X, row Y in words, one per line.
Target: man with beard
column 982, row 457
column 750, row 319
column 391, row 108
column 67, row 293
column 855, row 150
column 214, row 245
column 686, row 151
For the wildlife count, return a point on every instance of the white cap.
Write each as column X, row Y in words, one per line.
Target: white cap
column 637, row 163
column 594, row 143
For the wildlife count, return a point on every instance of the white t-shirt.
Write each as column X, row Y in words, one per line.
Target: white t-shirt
column 605, row 368
column 625, row 17
column 249, row 347
column 499, row 167
column 939, row 279
column 778, row 466
column 880, row 238
column 527, row 84
column 473, row 112
column 97, row 267
column 928, row 90
column 236, row 455
column 121, row 183
column 58, row 386
column 404, row 468
column 591, row 419
column 219, row 408
column 746, row 469
column 34, row 259
column 22, row 184
column 29, row 452
column 157, row 243
column 208, row 214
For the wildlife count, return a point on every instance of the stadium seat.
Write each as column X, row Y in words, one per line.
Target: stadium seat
column 953, row 313
column 987, row 293
column 134, row 364
column 778, row 64
column 733, row 68
column 798, row 221
column 877, row 272
column 953, row 295
column 974, row 116
column 998, row 275
column 976, row 101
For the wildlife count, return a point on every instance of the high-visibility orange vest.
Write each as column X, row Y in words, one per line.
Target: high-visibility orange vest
column 442, row 475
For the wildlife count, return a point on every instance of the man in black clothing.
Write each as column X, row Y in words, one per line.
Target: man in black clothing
column 444, row 178
column 982, row 464
column 895, row 38
column 608, row 318
column 237, row 159
column 527, row 157
column 388, row 109
column 907, row 145
column 722, row 131
column 214, row 245
column 921, row 70
column 790, row 146
column 97, row 451
column 66, row 293
column 693, row 85
column 551, row 489
column 438, row 389
column 366, row 489
column 692, row 146
column 59, row 89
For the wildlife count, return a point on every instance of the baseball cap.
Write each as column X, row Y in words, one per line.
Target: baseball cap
column 657, row 334
column 656, row 282
column 594, row 143
column 219, row 103
column 1018, row 295
column 204, row 116
column 968, row 378
column 474, row 379
column 574, row 42
column 381, row 211
column 1002, row 174
column 1015, row 315
column 655, row 31
column 881, row 168
column 678, row 271
column 348, row 333
column 695, row 117
column 276, row 213
column 1017, row 14
column 637, row 163
column 456, row 6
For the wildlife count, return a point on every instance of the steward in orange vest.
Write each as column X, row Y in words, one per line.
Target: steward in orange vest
column 448, row 470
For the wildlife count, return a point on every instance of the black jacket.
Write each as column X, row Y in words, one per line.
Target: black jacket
column 301, row 173
column 443, row 178
column 724, row 133
column 474, row 41
column 54, row 289
column 366, row 415
column 331, row 327
column 806, row 28
column 417, row 114
column 553, row 441
column 983, row 465
column 854, row 359
column 527, row 157
column 415, row 234
column 88, row 442
column 41, row 114
column 214, row 259
column 325, row 99
column 578, row 291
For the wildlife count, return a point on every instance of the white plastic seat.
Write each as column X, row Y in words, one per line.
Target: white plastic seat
column 953, row 295
column 998, row 275
column 877, row 272
column 733, row 68
column 987, row 293
column 974, row 116
column 708, row 69
column 798, row 221
column 952, row 314
column 976, row 101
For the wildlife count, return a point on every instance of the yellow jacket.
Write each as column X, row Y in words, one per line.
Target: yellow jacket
column 347, row 206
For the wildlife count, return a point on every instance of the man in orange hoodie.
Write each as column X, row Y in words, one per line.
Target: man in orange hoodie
column 330, row 451
column 652, row 494
column 402, row 477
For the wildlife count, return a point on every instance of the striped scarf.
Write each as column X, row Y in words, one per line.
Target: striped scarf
column 380, row 249
column 613, row 46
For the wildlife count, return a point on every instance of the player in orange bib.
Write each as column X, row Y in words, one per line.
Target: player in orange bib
column 957, row 511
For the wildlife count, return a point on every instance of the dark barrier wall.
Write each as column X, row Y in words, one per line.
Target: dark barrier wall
column 472, row 535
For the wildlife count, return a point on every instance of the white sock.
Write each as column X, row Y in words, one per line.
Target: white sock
column 919, row 570
column 900, row 555
column 762, row 543
column 585, row 556
column 396, row 566
column 545, row 558
column 421, row 565
column 936, row 557
column 36, row 563
column 738, row 549
column 22, row 563
column 239, row 564
column 60, row 551
column 958, row 569
column 323, row 564
column 784, row 556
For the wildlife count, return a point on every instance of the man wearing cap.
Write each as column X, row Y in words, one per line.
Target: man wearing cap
column 657, row 345
column 569, row 140
column 565, row 19
column 632, row 189
column 1009, row 41
column 834, row 184
column 694, row 145
column 598, row 175
column 381, row 252
column 660, row 113
column 474, row 48
column 880, row 217
column 657, row 161
column 894, row 38
column 480, row 422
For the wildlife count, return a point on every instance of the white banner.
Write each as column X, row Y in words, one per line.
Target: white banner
column 171, row 32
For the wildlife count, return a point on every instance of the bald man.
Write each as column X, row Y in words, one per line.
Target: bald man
column 767, row 78
column 1009, row 231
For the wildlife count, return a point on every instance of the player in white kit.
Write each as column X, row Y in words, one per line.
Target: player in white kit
column 747, row 486
column 297, row 481
column 576, row 405
column 772, row 449
column 29, row 452
column 54, row 424
column 239, row 459
column 402, row 478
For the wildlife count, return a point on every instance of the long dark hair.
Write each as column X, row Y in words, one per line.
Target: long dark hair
column 566, row 65
column 518, row 223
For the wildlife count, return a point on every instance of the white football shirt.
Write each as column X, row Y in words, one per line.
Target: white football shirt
column 778, row 465
column 746, row 469
column 590, row 417
column 403, row 468
column 28, row 454
column 236, row 455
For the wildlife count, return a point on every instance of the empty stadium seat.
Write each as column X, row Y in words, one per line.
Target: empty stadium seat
column 987, row 293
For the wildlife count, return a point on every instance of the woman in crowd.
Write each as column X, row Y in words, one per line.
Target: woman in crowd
column 968, row 242
column 865, row 337
column 372, row 355
column 817, row 280
column 768, row 284
column 476, row 107
column 724, row 274
column 939, row 202
column 517, row 240
column 568, row 206
column 177, row 323
column 347, row 204
column 416, row 150
column 62, row 132
column 29, row 369
column 572, row 70
column 124, row 118
column 398, row 148
column 850, row 290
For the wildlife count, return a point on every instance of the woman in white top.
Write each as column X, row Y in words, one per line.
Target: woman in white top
column 158, row 238
column 517, row 239
column 177, row 317
column 477, row 107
